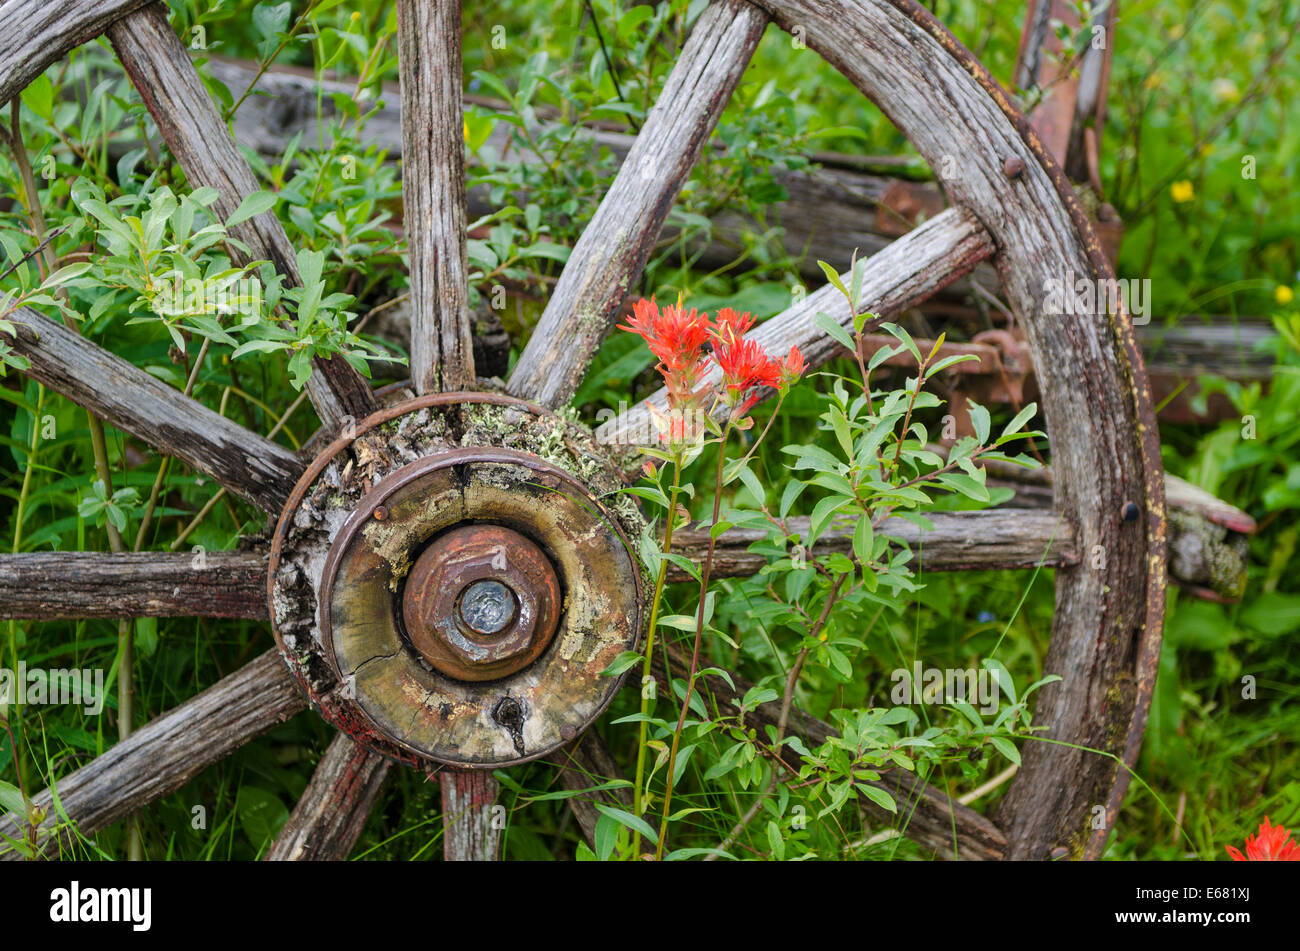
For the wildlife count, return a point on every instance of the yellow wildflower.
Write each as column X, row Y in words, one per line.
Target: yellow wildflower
column 1283, row 294
column 1182, row 191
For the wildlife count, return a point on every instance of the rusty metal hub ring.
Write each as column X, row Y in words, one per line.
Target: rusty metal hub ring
column 440, row 597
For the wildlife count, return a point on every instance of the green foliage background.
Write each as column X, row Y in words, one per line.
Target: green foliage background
column 1199, row 91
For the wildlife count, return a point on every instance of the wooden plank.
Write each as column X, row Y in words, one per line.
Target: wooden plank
column 470, row 829
column 127, row 397
column 906, row 272
column 164, row 755
column 38, row 32
column 159, row 65
column 82, row 584
column 608, row 258
column 986, row 540
column 433, row 194
column 329, row 818
column 931, row 817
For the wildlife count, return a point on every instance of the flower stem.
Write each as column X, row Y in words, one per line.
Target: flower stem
column 699, row 636
column 643, row 734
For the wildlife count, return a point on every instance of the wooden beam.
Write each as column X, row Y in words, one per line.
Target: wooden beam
column 38, row 32
column 81, row 584
column 433, row 192
column 984, row 540
column 469, row 826
column 159, row 65
column 164, row 755
column 331, row 815
column 127, row 397
column 906, row 272
column 608, row 258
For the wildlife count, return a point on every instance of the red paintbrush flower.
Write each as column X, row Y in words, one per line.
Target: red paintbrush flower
column 744, row 365
column 731, row 326
column 677, row 337
column 1270, row 844
column 793, row 367
column 674, row 335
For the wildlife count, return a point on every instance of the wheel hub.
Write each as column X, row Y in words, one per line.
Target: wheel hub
column 481, row 602
column 449, row 583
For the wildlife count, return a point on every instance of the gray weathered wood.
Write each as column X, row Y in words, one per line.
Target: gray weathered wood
column 1108, row 621
column 830, row 210
column 613, row 248
column 906, row 272
column 77, row 584
column 927, row 814
column 330, row 816
column 38, row 32
column 433, row 194
column 468, row 797
column 983, row 540
column 125, row 396
column 164, row 755
column 159, row 66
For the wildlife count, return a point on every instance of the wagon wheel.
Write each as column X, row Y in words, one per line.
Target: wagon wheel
column 491, row 497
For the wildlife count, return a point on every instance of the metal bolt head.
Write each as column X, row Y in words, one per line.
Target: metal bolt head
column 1013, row 167
column 486, row 607
column 475, row 615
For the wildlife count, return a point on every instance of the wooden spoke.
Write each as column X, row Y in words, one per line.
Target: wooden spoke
column 127, row 397
column 469, row 827
column 961, row 541
column 609, row 256
column 585, row 764
column 903, row 274
column 166, row 754
column 332, row 813
column 932, row 818
column 74, row 584
column 433, row 193
column 40, row 31
column 160, row 67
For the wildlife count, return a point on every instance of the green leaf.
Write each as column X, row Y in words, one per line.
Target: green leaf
column 622, row 662
column 606, row 837
column 877, row 795
column 1006, row 748
column 252, row 206
column 1273, row 613
column 863, row 540
column 678, row 622
column 11, row 800
column 789, row 494
column 628, row 23
column 829, row 326
column 965, row 485
column 979, row 418
column 833, row 276
column 1024, row 416
column 625, row 818
column 261, row 814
